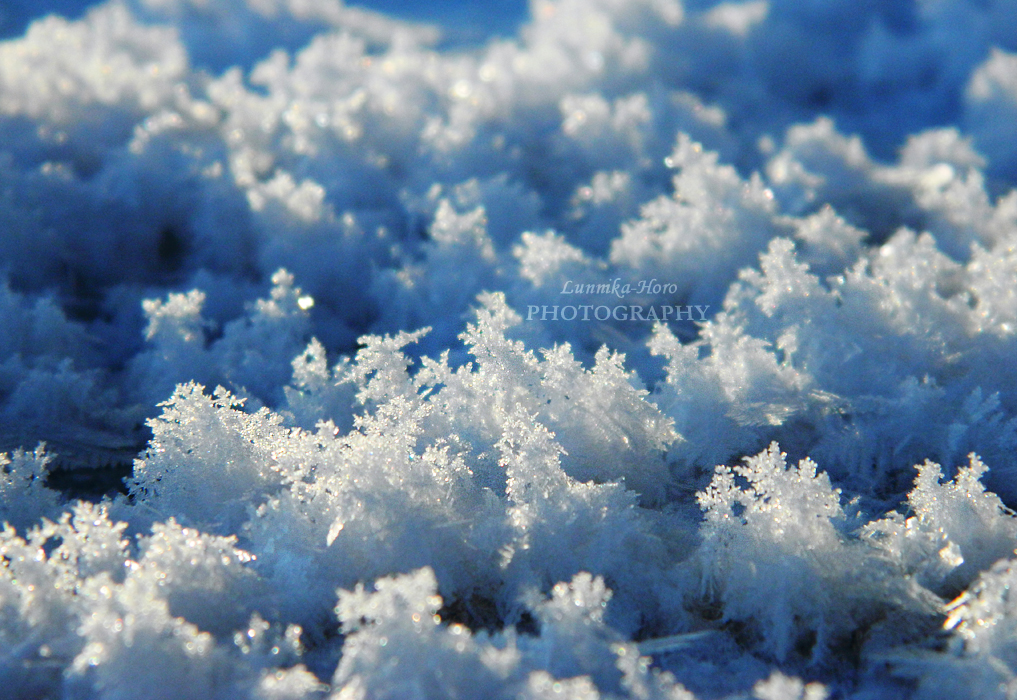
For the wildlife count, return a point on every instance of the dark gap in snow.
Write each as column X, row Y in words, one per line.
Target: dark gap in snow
column 90, row 484
column 172, row 249
column 476, row 611
column 51, row 544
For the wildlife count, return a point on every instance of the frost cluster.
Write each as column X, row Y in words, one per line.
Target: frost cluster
column 663, row 349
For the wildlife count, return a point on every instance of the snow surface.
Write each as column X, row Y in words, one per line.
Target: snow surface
column 648, row 350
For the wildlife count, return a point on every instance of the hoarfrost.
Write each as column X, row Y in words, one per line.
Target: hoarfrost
column 455, row 331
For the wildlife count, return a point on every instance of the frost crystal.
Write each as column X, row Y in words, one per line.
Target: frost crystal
column 767, row 548
column 442, row 328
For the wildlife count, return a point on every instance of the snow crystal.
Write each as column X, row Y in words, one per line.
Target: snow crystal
column 420, row 350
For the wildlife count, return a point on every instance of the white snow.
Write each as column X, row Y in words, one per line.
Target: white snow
column 659, row 350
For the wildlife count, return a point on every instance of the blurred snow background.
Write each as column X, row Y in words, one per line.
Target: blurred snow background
column 297, row 270
column 464, row 21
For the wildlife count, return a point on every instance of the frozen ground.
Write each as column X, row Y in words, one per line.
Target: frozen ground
column 418, row 346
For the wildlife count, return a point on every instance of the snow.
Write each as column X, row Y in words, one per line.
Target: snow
column 646, row 349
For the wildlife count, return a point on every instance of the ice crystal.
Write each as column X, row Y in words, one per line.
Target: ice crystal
column 419, row 348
